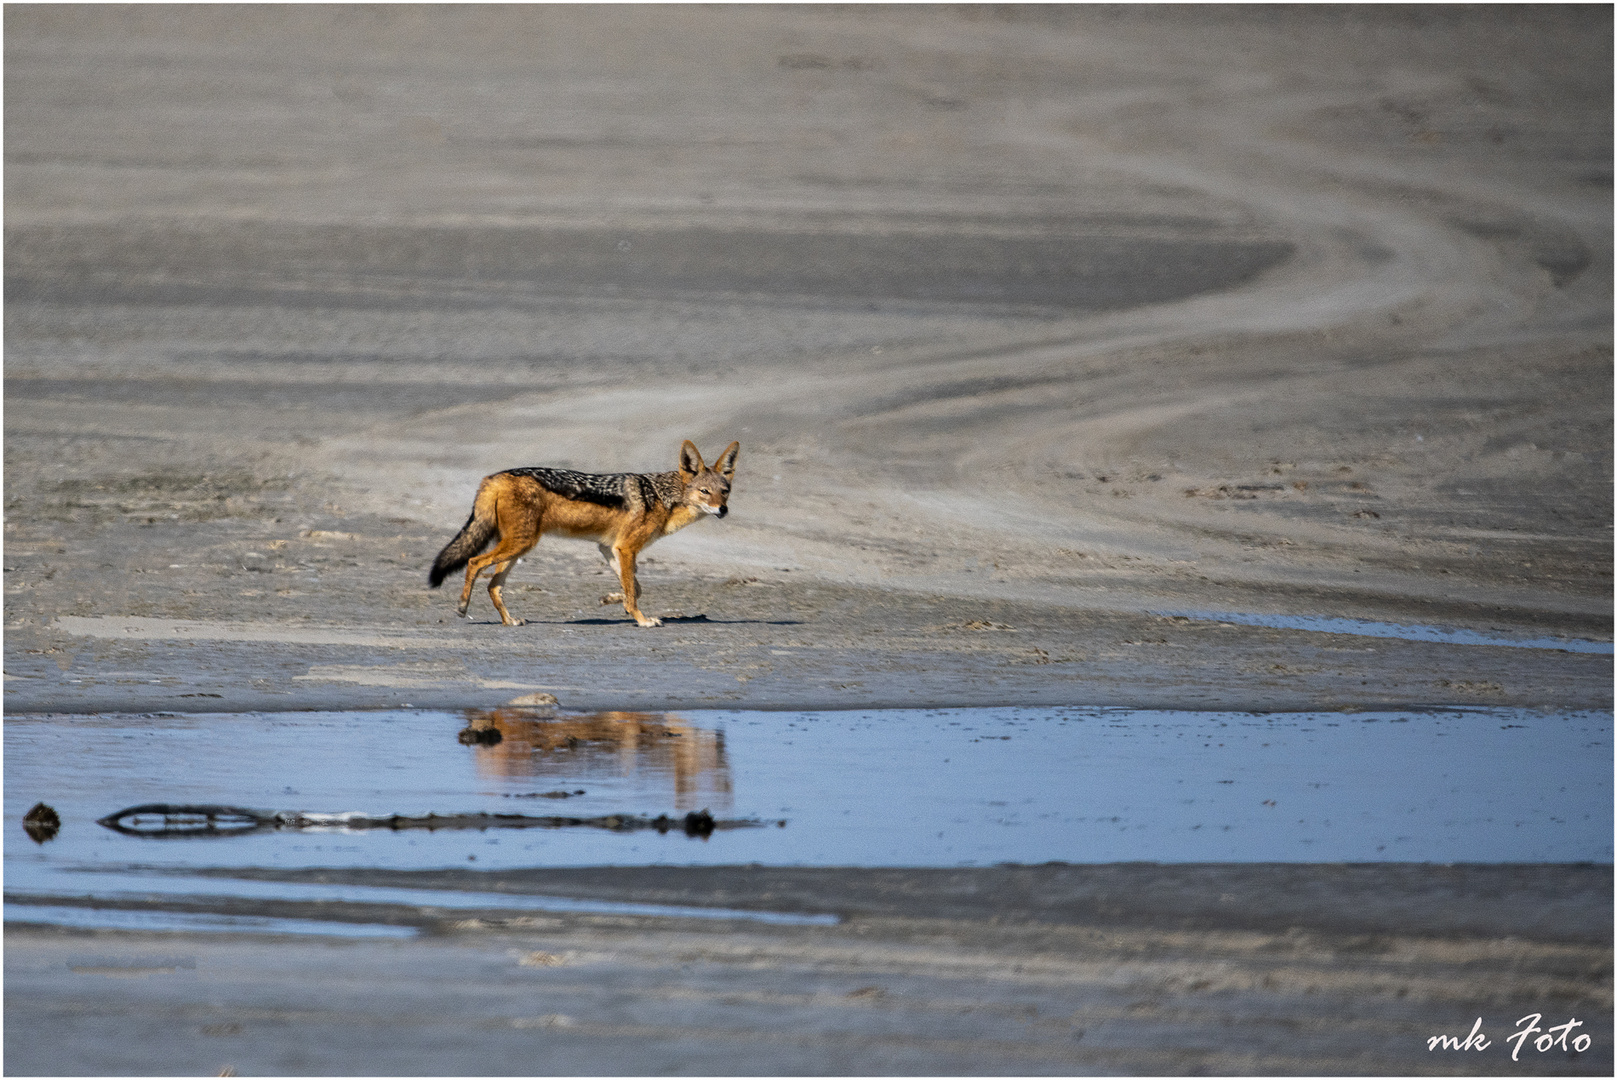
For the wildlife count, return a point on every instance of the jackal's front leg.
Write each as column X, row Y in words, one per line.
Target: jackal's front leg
column 611, row 560
column 631, row 587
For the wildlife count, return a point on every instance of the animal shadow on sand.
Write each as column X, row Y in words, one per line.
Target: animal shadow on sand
column 668, row 620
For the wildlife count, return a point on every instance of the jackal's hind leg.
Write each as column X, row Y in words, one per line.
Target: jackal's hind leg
column 518, row 535
column 472, row 570
column 494, row 585
column 475, row 567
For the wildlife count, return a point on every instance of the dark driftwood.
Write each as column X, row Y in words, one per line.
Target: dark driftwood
column 173, row 820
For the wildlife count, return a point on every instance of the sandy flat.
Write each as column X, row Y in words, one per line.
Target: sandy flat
column 1048, row 334
column 1051, row 320
column 1254, row 970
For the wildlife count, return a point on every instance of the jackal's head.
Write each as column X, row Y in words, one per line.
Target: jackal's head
column 707, row 489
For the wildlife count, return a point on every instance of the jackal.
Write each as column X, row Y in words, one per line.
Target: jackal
column 621, row 512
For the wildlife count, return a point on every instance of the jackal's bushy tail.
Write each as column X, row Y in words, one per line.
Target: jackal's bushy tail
column 472, row 538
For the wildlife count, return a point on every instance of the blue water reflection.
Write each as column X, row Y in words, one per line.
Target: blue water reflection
column 875, row 788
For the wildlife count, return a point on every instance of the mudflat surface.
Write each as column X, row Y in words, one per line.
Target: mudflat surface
column 1048, row 334
column 1057, row 970
column 1029, row 323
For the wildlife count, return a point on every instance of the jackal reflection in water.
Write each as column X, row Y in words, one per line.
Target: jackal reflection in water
column 571, row 748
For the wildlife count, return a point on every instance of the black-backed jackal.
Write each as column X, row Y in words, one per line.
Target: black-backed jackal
column 621, row 512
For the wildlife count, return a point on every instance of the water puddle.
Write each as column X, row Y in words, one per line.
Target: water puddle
column 1401, row 631
column 418, row 789
column 88, row 918
column 142, row 884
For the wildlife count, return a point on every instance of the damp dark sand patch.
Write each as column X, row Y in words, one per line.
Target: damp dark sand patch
column 1038, row 263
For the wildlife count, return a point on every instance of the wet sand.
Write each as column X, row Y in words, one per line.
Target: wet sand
column 1034, row 325
column 1261, row 969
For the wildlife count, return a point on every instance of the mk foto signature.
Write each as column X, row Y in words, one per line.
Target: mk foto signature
column 1548, row 1039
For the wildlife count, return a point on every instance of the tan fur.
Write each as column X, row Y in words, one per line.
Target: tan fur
column 517, row 510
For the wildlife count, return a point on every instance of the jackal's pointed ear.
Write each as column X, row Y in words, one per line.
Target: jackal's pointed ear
column 690, row 461
column 725, row 466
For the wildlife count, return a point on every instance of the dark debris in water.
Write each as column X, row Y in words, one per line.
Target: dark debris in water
column 174, row 821
column 475, row 736
column 41, row 823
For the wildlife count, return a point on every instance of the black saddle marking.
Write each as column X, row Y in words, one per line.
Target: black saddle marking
column 603, row 489
column 648, row 491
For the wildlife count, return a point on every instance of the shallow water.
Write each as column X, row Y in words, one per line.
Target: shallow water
column 1401, row 631
column 194, row 922
column 877, row 788
column 135, row 884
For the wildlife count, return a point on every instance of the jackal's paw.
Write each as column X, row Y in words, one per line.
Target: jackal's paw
column 515, row 622
column 612, row 598
column 650, row 621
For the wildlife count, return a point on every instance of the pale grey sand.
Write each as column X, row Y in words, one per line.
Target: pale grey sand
column 1036, row 326
column 1046, row 319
